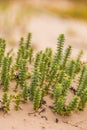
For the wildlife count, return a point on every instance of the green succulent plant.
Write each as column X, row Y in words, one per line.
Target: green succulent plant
column 7, row 105
column 44, row 74
column 60, row 44
column 22, row 67
column 37, row 98
column 73, row 105
column 83, row 82
column 5, row 72
column 57, row 91
column 66, row 57
column 4, row 98
column 60, row 105
column 2, row 50
column 35, row 81
column 17, row 101
column 25, row 92
column 70, row 70
column 83, row 99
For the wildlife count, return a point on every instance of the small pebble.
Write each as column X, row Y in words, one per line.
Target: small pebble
column 57, row 120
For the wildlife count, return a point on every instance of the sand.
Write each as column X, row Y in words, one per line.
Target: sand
column 24, row 120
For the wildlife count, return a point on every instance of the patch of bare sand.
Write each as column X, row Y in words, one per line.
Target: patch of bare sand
column 22, row 120
column 46, row 29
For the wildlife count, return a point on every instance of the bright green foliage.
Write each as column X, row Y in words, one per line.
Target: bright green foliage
column 58, row 55
column 30, row 55
column 43, row 68
column 78, row 62
column 48, row 52
column 25, row 51
column 28, row 42
column 20, row 51
column 83, row 98
column 60, row 105
column 16, row 86
column 73, row 105
column 21, row 41
column 38, row 59
column 82, row 74
column 48, row 59
column 83, row 83
column 37, row 98
column 28, row 49
column 5, row 73
column 4, row 70
column 60, row 45
column 12, row 70
column 2, row 50
column 6, row 83
column 57, row 92
column 45, row 64
column 7, row 105
column 4, row 98
column 52, row 76
column 71, row 69
column 25, row 92
column 22, row 67
column 66, row 85
column 61, row 76
column 17, row 101
column 66, row 56
column 35, row 81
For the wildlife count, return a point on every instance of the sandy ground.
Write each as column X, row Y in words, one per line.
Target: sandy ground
column 23, row 120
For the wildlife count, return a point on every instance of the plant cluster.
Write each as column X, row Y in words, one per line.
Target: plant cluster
column 52, row 74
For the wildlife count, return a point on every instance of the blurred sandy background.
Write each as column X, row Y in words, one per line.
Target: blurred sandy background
column 45, row 19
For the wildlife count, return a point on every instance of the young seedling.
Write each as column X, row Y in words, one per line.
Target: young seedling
column 22, row 71
column 28, row 42
column 73, row 105
column 82, row 74
column 70, row 69
column 17, row 102
column 16, row 86
column 5, row 72
column 66, row 57
column 59, row 54
column 25, row 92
column 30, row 55
column 4, row 98
column 83, row 83
column 37, row 98
column 35, row 81
column 83, row 98
column 57, row 92
column 7, row 105
column 78, row 62
column 66, row 85
column 60, row 105
column 2, row 50
column 12, row 75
